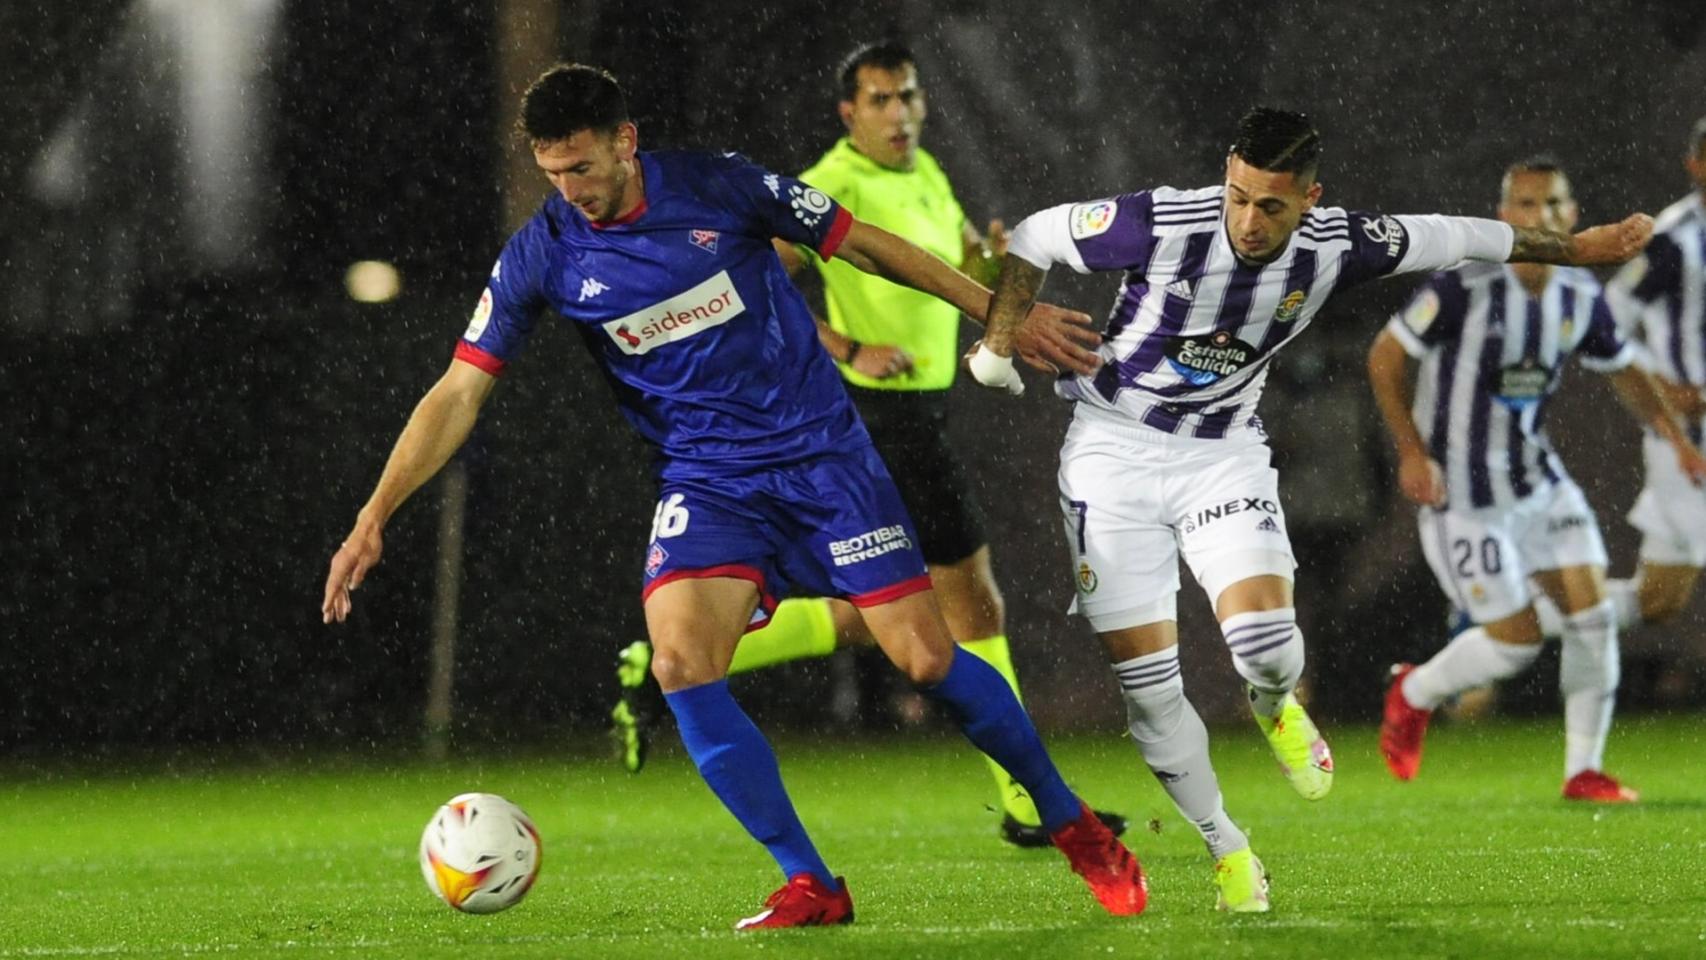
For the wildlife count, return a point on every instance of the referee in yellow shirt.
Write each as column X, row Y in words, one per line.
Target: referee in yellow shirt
column 898, row 350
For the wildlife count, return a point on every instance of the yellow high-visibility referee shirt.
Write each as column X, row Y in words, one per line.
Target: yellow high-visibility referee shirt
column 916, row 204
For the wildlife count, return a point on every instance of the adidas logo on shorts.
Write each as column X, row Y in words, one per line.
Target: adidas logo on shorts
column 1268, row 525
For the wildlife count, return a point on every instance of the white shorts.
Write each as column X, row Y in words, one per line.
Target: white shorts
column 1483, row 558
column 1670, row 512
column 1134, row 499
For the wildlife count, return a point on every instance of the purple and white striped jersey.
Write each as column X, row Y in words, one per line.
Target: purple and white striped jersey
column 1662, row 294
column 1491, row 357
column 1190, row 336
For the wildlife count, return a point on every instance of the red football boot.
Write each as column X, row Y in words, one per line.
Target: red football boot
column 1594, row 786
column 1114, row 875
column 1402, row 728
column 802, row 902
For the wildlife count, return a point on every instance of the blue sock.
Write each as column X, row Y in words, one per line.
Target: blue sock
column 740, row 768
column 991, row 718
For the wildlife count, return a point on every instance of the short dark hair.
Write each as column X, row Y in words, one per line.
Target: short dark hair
column 1697, row 137
column 1278, row 141
column 1534, row 163
column 569, row 98
column 884, row 55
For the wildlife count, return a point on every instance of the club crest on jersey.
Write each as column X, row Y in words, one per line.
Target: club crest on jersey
column 482, row 316
column 705, row 240
column 710, row 304
column 809, row 203
column 1204, row 359
column 1523, row 384
column 656, row 556
column 1290, row 307
column 1092, row 219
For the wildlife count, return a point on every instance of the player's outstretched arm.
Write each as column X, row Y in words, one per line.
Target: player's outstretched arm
column 1419, row 477
column 1053, row 337
column 435, row 430
column 1640, row 392
column 1605, row 244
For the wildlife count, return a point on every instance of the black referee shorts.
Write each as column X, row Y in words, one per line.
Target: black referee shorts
column 909, row 428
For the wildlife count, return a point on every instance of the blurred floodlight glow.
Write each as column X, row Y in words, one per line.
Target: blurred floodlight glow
column 372, row 281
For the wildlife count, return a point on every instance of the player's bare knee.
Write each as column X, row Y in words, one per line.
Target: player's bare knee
column 677, row 670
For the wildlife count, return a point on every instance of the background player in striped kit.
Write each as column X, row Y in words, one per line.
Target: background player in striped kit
column 767, row 481
column 898, row 350
column 1660, row 299
column 1165, row 455
column 1499, row 514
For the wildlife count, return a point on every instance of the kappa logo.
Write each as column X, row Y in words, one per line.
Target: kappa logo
column 774, row 182
column 705, row 240
column 809, row 203
column 1181, row 289
column 591, row 288
column 710, row 304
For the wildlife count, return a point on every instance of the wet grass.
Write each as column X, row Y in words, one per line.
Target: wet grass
column 1477, row 859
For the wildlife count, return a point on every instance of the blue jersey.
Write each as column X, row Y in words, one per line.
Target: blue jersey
column 1492, row 356
column 712, row 352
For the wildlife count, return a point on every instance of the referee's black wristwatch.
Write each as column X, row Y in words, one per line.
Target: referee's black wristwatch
column 852, row 351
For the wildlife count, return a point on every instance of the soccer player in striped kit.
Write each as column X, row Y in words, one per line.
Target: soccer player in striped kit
column 1662, row 294
column 1499, row 516
column 767, row 482
column 1165, row 455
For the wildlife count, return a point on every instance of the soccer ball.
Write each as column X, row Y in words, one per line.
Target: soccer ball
column 480, row 853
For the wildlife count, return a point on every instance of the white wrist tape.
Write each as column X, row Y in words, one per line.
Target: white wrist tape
column 993, row 370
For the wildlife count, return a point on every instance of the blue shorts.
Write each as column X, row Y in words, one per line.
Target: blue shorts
column 833, row 526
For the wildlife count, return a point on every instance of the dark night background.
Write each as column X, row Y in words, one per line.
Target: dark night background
column 192, row 408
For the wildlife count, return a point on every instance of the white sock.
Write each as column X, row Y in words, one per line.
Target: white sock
column 1172, row 740
column 1588, row 673
column 1550, row 617
column 1472, row 659
column 1267, row 651
column 1625, row 597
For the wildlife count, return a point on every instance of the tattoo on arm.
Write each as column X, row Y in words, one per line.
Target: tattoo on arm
column 1015, row 291
column 1540, row 246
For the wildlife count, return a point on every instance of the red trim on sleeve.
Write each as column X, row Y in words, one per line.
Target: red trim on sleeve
column 837, row 233
column 734, row 571
column 892, row 592
column 468, row 353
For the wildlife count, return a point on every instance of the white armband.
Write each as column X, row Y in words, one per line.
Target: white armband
column 1438, row 242
column 1044, row 239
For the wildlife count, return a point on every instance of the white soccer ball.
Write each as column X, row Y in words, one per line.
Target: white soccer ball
column 480, row 853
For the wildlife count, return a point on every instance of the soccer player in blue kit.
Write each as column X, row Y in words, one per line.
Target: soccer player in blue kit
column 767, row 480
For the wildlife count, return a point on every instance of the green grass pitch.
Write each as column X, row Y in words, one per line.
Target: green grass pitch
column 1477, row 859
